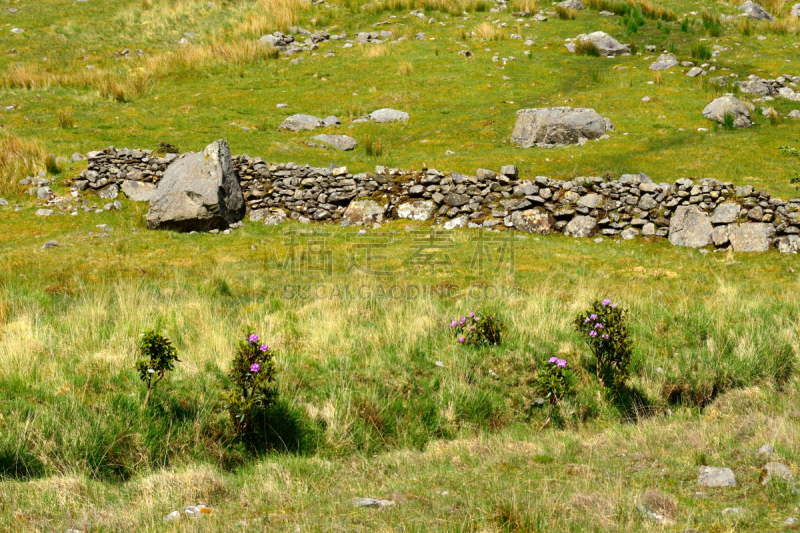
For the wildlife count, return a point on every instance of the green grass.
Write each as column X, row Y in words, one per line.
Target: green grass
column 376, row 397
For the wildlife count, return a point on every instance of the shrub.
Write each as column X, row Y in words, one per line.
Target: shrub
column 554, row 380
column 633, row 20
column 585, row 47
column 604, row 329
column 474, row 330
column 159, row 357
column 251, row 392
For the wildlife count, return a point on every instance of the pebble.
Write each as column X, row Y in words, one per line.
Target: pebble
column 790, row 521
column 766, row 450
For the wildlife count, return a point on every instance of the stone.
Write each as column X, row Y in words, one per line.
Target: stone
column 719, row 235
column 710, row 476
column 796, row 112
column 43, row 212
column 732, row 511
column 138, row 191
column 695, row 72
column 510, row 171
column 364, row 212
column 629, row 233
column 342, row 142
column 50, row 244
column 372, row 502
column 778, row 471
column 791, row 521
column 557, row 125
column 110, row 192
column 755, row 11
column 766, row 450
column 3, row 202
column 198, row 192
column 456, row 200
column 300, row 122
column 690, row 227
column 571, row 4
column 43, row 193
column 174, row 516
column 649, row 229
column 196, row 511
column 788, row 245
column 725, row 213
column 581, row 226
column 458, row 222
column 418, row 210
column 331, row 121
column 751, row 236
column 590, row 201
column 532, row 221
column 759, row 87
column 388, row 115
column 724, row 105
column 257, row 215
column 606, row 45
column 664, row 62
column 276, row 218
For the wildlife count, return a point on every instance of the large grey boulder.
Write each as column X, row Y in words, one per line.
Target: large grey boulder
column 690, row 227
column 581, row 226
column 550, row 126
column 300, row 122
column 388, row 115
column 710, row 476
column 724, row 105
column 606, row 45
column 755, row 11
column 363, row 212
column 759, row 87
column 419, row 210
column 532, row 221
column 795, row 12
column 342, row 142
column 571, row 4
column 725, row 213
column 751, row 236
column 198, row 192
column 664, row 62
column 138, row 191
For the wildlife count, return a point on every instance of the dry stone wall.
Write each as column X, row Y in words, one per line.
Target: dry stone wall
column 687, row 212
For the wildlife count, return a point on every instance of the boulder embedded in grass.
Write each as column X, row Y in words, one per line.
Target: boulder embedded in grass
column 606, row 45
column 551, row 126
column 730, row 109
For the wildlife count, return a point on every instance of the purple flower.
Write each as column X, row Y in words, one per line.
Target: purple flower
column 605, row 336
column 593, row 316
column 264, row 348
column 472, row 327
column 253, row 338
column 463, row 319
column 472, row 315
column 476, row 319
column 586, row 320
column 255, row 368
column 461, row 339
column 453, row 323
column 561, row 363
column 593, row 333
column 598, row 326
column 613, row 306
column 606, row 302
column 554, row 359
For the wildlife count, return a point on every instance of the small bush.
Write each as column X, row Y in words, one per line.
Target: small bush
column 474, row 330
column 554, row 380
column 701, row 52
column 633, row 20
column 159, row 358
column 65, row 120
column 585, row 47
column 251, row 392
column 565, row 13
column 604, row 329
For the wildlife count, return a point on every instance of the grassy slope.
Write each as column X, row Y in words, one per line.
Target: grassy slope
column 372, row 413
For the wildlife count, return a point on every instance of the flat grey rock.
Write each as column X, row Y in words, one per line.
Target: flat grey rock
column 751, row 236
column 458, row 222
column 606, row 45
column 778, row 471
column 581, row 226
column 138, row 191
column 571, row 4
column 43, row 212
column 50, row 244
column 710, row 476
column 198, row 192
column 533, row 221
column 664, row 62
column 755, row 11
column 418, row 210
column 724, row 105
column 300, row 122
column 388, row 115
column 364, row 212
column 342, row 142
column 372, row 502
column 725, row 213
column 557, row 125
column 690, row 227
column 695, row 72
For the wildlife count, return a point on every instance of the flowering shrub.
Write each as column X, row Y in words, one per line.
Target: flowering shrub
column 604, row 329
column 252, row 389
column 159, row 357
column 554, row 380
column 475, row 330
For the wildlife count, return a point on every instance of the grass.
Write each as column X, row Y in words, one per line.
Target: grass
column 366, row 410
column 585, row 47
column 565, row 13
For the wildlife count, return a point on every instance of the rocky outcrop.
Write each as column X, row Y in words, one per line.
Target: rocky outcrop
column 728, row 106
column 198, row 192
column 554, row 126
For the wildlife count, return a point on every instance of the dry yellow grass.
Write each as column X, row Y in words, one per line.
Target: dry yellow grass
column 18, row 158
column 374, row 50
column 486, row 31
column 405, row 68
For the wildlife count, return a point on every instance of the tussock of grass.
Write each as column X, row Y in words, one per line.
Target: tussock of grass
column 65, row 120
column 370, row 51
column 18, row 158
column 585, row 47
column 565, row 13
column 486, row 31
column 270, row 16
column 405, row 68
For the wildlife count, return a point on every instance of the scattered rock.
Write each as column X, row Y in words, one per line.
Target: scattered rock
column 716, row 477
column 301, row 122
column 606, row 45
column 372, row 502
column 778, row 471
column 696, row 71
column 664, row 62
column 50, row 244
column 732, row 511
column 725, row 105
column 198, row 192
column 755, row 11
column 43, row 212
column 766, row 450
column 553, row 126
column 388, row 115
column 571, row 4
column 342, row 142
